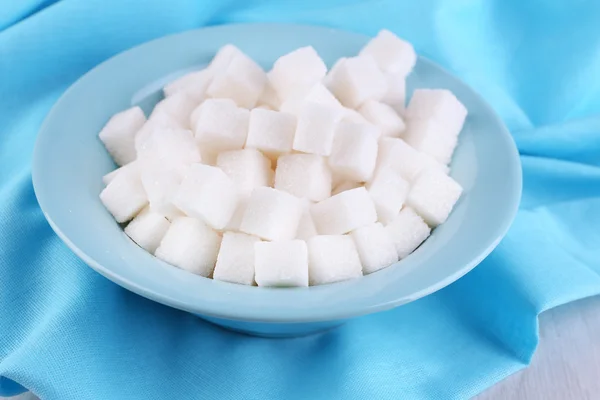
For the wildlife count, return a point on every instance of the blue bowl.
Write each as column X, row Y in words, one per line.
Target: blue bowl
column 69, row 162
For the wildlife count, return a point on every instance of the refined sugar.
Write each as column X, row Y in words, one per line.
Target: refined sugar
column 407, row 231
column 440, row 105
column 384, row 116
column 433, row 196
column 235, row 262
column 191, row 245
column 158, row 121
column 207, row 193
column 194, row 84
column 297, row 71
column 271, row 132
column 118, row 135
column 247, row 168
column 354, row 151
column 316, row 128
column 357, row 80
column 178, row 106
column 427, row 136
column 304, row 175
column 272, row 214
column 334, row 69
column 221, row 125
column 269, row 97
column 332, row 258
column 108, row 178
column 317, row 94
column 388, row 191
column 125, row 197
column 160, row 184
column 399, row 156
column 343, row 186
column 209, row 156
column 396, row 92
column 375, row 247
column 283, row 263
column 344, row 212
column 306, row 226
column 147, row 229
column 350, row 115
column 243, row 80
column 168, row 147
column 236, row 219
column 221, row 60
column 391, row 53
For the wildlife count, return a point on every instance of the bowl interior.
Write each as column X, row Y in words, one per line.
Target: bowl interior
column 70, row 160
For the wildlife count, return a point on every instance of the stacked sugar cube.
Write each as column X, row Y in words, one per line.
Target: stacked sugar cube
column 299, row 176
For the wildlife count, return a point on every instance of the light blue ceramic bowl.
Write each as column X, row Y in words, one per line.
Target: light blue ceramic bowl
column 69, row 162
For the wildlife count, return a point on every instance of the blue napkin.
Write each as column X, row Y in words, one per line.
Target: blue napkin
column 68, row 333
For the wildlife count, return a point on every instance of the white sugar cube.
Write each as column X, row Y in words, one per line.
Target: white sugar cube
column 271, row 132
column 317, row 94
column 158, row 121
column 407, row 231
column 147, row 229
column 383, row 116
column 236, row 219
column 334, row 69
column 440, row 105
column 306, row 226
column 272, row 214
column 221, row 125
column 391, row 53
column 194, row 84
column 269, row 97
column 247, row 168
column 191, row 245
column 108, row 178
column 207, row 193
column 428, row 136
column 235, row 262
column 332, row 258
column 433, row 196
column 169, row 146
column 357, row 80
column 399, row 156
column 344, row 212
column 178, row 106
column 350, row 115
column 375, row 247
column 354, row 151
column 161, row 183
column 342, row 186
column 125, row 197
column 118, row 135
column 243, row 81
column 283, row 263
column 209, row 156
column 297, row 71
column 221, row 60
column 396, row 92
column 388, row 190
column 315, row 129
column 304, row 175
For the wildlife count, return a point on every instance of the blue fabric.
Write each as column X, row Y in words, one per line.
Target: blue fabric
column 68, row 333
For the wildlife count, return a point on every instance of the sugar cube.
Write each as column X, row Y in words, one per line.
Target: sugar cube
column 357, row 80
column 332, row 258
column 221, row 125
column 269, row 97
column 178, row 106
column 396, row 92
column 207, row 193
column 375, row 247
column 169, row 147
column 124, row 197
column 159, row 120
column 440, row 105
column 283, row 263
column 391, row 53
column 317, row 94
column 191, row 245
column 342, row 186
column 428, row 136
column 334, row 69
column 147, row 229
column 304, row 175
column 384, row 116
column 344, row 212
column 271, row 132
column 399, row 156
column 272, row 214
column 297, row 71
column 235, row 262
column 433, row 196
column 316, row 129
column 354, row 151
column 407, row 231
column 118, row 135
column 306, row 226
column 247, row 168
column 350, row 115
column 221, row 60
column 388, row 190
column 108, row 178
column 194, row 84
column 236, row 219
column 160, row 184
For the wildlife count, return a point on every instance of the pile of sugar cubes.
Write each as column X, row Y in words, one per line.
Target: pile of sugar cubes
column 293, row 177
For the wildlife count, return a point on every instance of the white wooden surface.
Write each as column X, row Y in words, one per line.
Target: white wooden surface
column 565, row 367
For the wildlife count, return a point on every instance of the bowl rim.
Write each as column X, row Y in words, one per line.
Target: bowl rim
column 233, row 313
